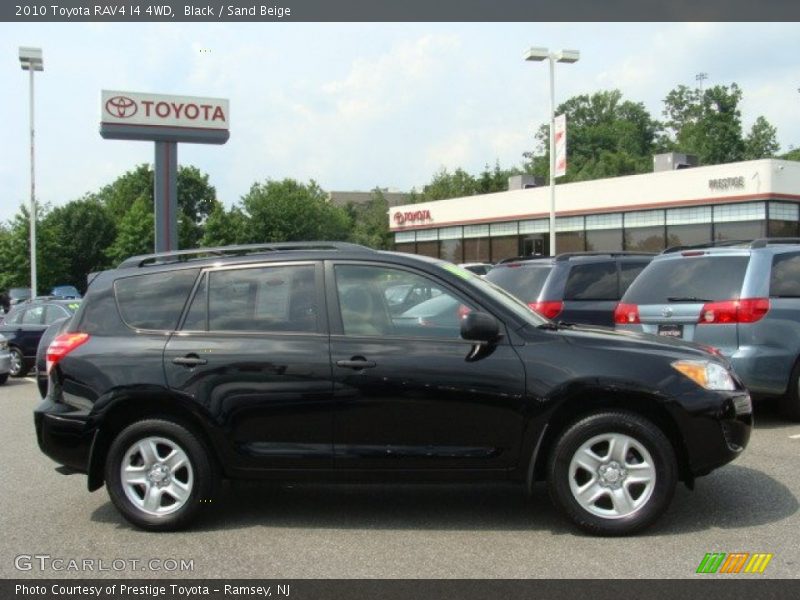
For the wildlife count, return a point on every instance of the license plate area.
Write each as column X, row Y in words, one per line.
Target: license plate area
column 673, row 330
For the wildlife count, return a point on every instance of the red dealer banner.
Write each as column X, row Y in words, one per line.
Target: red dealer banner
column 135, row 108
column 561, row 145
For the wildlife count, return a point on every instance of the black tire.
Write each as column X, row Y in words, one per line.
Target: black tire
column 790, row 401
column 3, row 378
column 654, row 499
column 18, row 366
column 202, row 474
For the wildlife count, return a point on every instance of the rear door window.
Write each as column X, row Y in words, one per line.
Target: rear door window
column 33, row 316
column 707, row 278
column 54, row 313
column 281, row 298
column 592, row 281
column 524, row 282
column 785, row 278
column 154, row 301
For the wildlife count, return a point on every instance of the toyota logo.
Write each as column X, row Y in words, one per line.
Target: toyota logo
column 399, row 218
column 666, row 312
column 121, row 107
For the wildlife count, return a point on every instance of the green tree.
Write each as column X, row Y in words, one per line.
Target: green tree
column 196, row 199
column 607, row 136
column 286, row 210
column 223, row 227
column 762, row 141
column 370, row 222
column 494, row 180
column 449, row 185
column 83, row 231
column 707, row 123
column 793, row 154
column 135, row 232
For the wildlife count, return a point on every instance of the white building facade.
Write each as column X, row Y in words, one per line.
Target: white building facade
column 648, row 212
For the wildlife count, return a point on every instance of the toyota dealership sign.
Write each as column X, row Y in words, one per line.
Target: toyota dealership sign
column 136, row 115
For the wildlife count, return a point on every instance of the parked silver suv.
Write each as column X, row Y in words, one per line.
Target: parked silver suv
column 742, row 298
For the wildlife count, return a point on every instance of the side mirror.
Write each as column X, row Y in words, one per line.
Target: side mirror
column 480, row 327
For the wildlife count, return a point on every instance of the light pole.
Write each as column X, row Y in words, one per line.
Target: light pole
column 562, row 56
column 31, row 60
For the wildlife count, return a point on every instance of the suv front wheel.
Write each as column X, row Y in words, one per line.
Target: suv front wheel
column 158, row 475
column 612, row 473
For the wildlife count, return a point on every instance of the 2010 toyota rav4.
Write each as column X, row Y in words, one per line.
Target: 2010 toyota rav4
column 285, row 361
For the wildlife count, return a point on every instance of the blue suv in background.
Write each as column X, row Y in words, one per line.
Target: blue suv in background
column 742, row 298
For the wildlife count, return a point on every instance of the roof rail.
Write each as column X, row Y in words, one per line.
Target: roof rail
column 568, row 255
column 764, row 242
column 162, row 258
column 511, row 259
column 755, row 243
column 716, row 244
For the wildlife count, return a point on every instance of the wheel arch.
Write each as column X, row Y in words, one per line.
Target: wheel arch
column 591, row 401
column 127, row 409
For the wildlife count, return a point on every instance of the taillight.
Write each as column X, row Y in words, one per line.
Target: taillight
column 746, row 310
column 463, row 311
column 626, row 314
column 550, row 309
column 62, row 345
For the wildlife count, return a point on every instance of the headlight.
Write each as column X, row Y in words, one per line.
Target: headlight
column 708, row 375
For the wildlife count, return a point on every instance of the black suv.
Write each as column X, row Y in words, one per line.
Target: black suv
column 576, row 287
column 284, row 361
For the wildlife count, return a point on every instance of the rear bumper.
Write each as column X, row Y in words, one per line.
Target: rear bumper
column 64, row 434
column 763, row 370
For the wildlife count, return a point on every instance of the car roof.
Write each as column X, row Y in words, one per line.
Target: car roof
column 589, row 256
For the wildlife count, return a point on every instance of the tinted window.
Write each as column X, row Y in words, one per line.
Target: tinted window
column 593, row 281
column 197, row 317
column 154, row 301
column 785, row 280
column 524, row 282
column 628, row 271
column 704, row 277
column 14, row 317
column 265, row 299
column 53, row 313
column 33, row 316
column 364, row 308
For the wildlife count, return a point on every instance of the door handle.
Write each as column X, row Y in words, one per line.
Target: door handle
column 356, row 363
column 190, row 360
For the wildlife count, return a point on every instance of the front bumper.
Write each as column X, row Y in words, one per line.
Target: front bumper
column 64, row 434
column 719, row 433
column 5, row 362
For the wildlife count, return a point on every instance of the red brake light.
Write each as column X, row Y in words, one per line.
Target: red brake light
column 626, row 314
column 746, row 310
column 62, row 345
column 549, row 309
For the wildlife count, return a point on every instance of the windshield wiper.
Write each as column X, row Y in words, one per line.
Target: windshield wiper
column 687, row 299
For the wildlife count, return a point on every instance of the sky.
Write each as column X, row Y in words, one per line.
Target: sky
column 355, row 106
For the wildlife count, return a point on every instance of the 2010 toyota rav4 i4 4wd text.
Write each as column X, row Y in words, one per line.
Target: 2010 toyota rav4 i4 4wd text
column 287, row 361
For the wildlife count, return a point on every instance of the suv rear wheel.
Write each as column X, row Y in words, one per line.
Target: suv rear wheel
column 158, row 474
column 612, row 473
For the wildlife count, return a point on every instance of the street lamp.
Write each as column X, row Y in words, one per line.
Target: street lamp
column 30, row 60
column 562, row 56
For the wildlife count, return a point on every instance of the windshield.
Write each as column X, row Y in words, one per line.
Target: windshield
column 524, row 282
column 497, row 294
column 708, row 278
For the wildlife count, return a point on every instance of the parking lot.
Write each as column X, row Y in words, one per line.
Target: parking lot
column 404, row 531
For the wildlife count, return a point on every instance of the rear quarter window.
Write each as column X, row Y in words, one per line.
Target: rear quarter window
column 704, row 278
column 154, row 301
column 593, row 281
column 524, row 282
column 785, row 277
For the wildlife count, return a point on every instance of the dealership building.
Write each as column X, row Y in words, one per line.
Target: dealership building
column 675, row 205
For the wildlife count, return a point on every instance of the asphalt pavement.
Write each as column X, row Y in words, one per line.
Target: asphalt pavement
column 389, row 531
